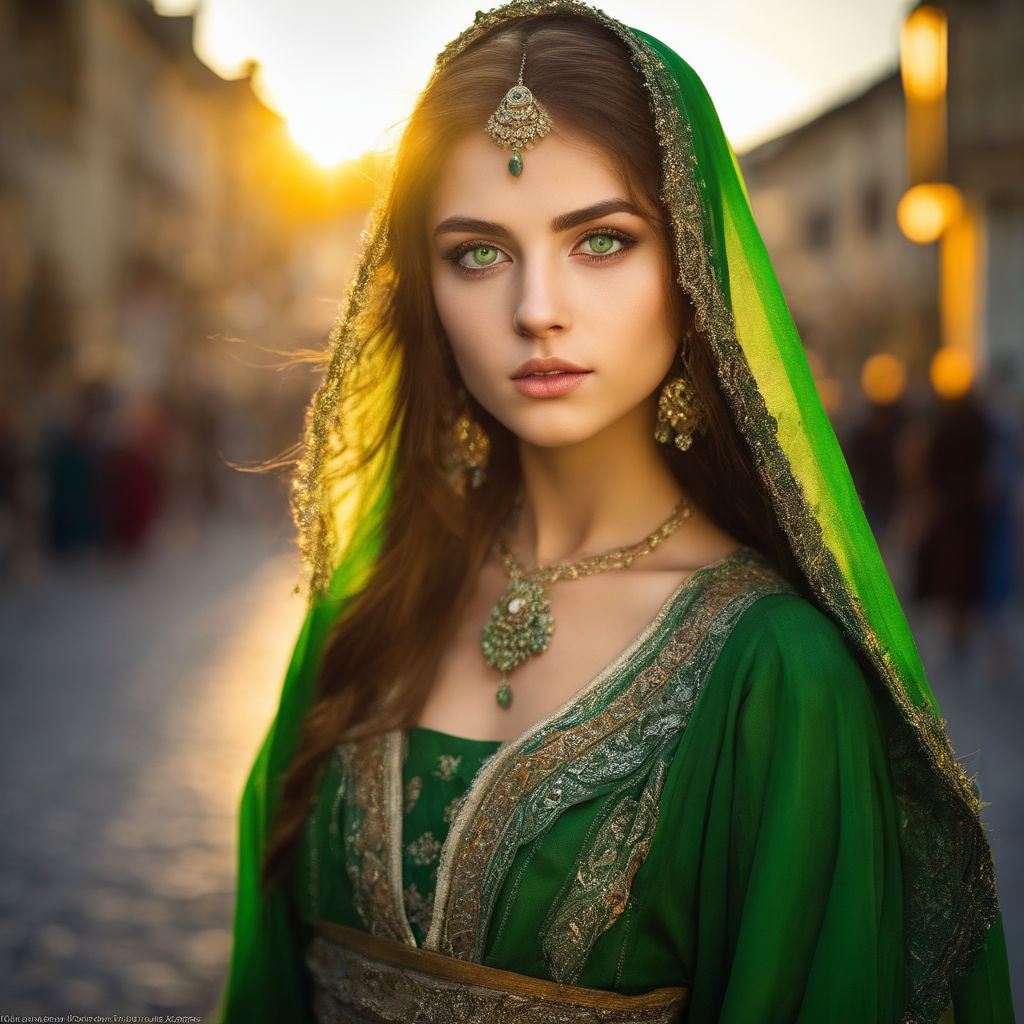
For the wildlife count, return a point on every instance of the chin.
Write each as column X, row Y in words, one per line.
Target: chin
column 562, row 435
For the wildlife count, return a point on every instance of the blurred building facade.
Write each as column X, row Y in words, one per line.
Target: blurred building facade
column 986, row 162
column 148, row 206
column 825, row 197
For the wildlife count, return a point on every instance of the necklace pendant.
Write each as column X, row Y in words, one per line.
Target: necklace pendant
column 504, row 694
column 520, row 627
column 521, row 624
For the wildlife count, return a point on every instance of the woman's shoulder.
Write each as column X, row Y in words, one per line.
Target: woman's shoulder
column 784, row 616
column 785, row 645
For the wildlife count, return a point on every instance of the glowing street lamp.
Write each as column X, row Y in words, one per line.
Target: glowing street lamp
column 927, row 210
column 923, row 63
column 883, row 378
column 923, row 48
column 933, row 210
column 951, row 373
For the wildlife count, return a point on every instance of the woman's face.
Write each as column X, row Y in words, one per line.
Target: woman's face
column 553, row 288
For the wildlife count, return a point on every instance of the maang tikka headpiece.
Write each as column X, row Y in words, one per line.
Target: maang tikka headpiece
column 520, row 122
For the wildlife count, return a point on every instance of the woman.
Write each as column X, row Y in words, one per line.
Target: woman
column 568, row 434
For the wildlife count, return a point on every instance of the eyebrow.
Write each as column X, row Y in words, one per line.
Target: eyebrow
column 563, row 222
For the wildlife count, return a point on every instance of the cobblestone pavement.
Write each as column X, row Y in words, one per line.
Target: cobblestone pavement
column 131, row 704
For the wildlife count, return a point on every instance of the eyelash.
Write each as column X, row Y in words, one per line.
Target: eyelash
column 456, row 254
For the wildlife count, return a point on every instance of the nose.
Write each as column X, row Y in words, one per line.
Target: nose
column 542, row 307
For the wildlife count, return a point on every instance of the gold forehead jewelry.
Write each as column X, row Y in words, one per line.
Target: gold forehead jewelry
column 521, row 624
column 520, row 122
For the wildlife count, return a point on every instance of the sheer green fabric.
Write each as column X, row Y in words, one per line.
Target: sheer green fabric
column 947, row 906
column 267, row 979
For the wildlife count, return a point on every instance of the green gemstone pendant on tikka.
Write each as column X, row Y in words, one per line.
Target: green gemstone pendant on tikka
column 519, row 123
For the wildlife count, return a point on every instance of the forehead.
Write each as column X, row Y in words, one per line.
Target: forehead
column 564, row 172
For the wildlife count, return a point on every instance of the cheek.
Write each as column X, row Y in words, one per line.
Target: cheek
column 468, row 324
column 644, row 317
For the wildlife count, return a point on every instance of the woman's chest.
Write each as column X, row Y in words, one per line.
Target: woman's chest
column 587, row 624
column 535, row 854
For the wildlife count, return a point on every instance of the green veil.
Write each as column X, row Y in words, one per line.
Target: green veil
column 341, row 498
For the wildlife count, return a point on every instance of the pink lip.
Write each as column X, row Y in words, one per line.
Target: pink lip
column 549, row 364
column 548, row 378
column 551, row 386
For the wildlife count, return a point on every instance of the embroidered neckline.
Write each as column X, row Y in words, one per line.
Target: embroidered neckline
column 738, row 554
column 621, row 721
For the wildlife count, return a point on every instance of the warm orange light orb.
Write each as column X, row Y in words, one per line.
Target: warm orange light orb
column 951, row 373
column 926, row 210
column 923, row 48
column 883, row 378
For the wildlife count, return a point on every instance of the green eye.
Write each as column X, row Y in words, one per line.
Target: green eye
column 601, row 245
column 483, row 255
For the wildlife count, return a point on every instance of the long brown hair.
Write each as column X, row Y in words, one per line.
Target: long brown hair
column 383, row 654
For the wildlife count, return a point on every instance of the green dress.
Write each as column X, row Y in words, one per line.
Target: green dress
column 715, row 809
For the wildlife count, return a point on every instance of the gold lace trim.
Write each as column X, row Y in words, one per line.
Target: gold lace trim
column 600, row 890
column 372, row 788
column 359, row 979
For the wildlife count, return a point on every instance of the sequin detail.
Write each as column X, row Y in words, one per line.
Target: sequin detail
column 371, row 788
column 614, row 731
column 452, row 809
column 424, row 850
column 418, row 908
column 447, row 766
column 412, row 793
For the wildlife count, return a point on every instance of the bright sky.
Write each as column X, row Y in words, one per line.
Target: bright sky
column 343, row 72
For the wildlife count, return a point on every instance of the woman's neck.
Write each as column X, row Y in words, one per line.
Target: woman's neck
column 610, row 490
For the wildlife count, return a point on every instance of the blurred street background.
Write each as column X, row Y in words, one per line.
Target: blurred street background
column 171, row 259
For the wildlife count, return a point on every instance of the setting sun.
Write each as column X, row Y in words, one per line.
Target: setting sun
column 318, row 141
column 329, row 121
column 345, row 77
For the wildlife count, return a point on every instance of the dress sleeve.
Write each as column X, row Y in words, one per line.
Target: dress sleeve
column 799, row 892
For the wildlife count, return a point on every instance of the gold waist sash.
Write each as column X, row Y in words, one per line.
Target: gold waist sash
column 360, row 979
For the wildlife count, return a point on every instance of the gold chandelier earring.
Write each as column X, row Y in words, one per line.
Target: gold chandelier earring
column 680, row 414
column 467, row 451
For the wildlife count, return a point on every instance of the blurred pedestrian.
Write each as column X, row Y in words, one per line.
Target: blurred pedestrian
column 954, row 558
column 73, row 461
column 1005, row 520
column 872, row 451
column 134, row 469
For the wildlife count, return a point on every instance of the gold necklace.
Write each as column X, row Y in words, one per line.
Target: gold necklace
column 521, row 624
